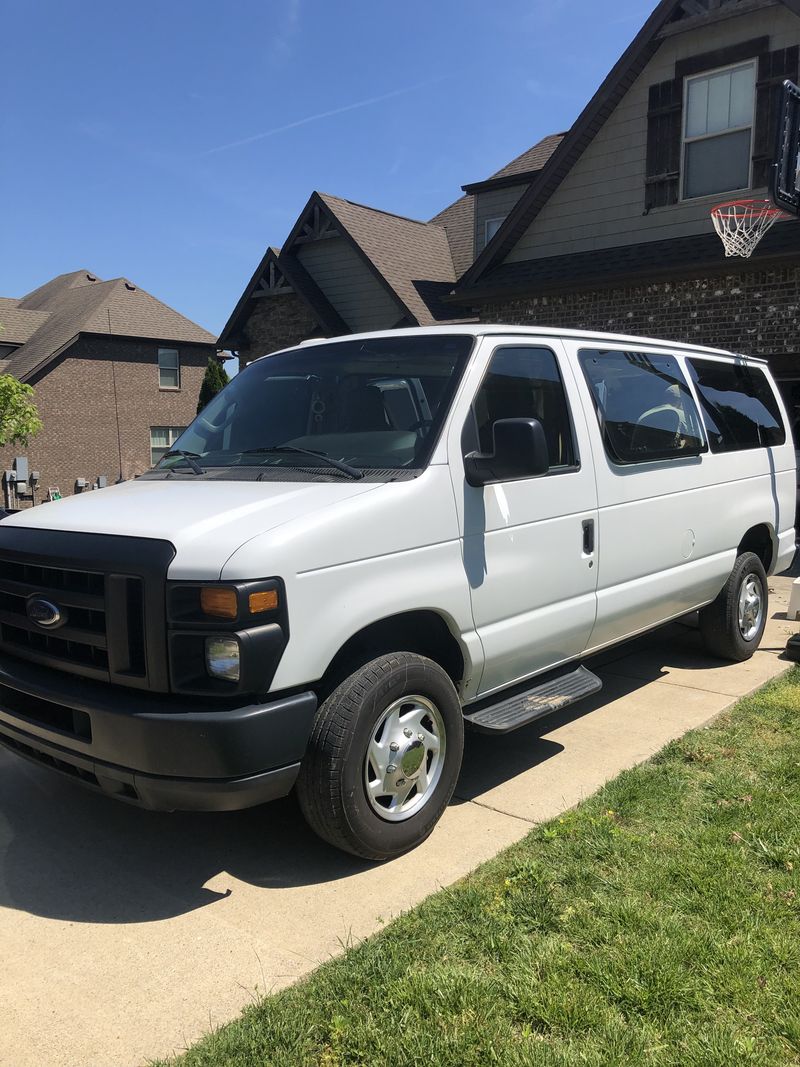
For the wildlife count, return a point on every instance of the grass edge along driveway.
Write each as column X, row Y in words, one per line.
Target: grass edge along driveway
column 658, row 922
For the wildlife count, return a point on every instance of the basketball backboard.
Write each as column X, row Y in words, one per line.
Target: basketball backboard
column 786, row 178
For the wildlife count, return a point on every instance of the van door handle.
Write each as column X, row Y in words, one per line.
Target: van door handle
column 588, row 537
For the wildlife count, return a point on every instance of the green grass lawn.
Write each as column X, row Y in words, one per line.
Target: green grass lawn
column 658, row 923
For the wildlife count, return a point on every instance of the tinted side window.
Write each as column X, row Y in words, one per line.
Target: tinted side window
column 739, row 406
column 644, row 406
column 525, row 383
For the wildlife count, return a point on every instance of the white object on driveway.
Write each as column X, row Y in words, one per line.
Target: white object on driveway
column 793, row 611
column 362, row 546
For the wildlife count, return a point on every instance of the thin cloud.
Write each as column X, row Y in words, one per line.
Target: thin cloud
column 319, row 116
column 281, row 44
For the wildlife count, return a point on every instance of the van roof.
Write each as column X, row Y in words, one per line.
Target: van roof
column 498, row 329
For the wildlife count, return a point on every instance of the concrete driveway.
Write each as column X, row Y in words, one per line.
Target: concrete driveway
column 127, row 934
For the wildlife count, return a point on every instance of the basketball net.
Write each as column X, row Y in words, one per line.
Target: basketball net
column 742, row 223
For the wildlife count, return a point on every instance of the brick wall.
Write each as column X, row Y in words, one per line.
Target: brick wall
column 276, row 322
column 755, row 312
column 75, row 397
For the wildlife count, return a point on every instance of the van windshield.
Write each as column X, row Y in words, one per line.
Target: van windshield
column 375, row 404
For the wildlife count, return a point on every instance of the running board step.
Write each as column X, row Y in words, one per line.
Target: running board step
column 525, row 708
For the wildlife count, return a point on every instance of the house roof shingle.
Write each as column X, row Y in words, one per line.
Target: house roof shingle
column 523, row 169
column 56, row 312
column 458, row 221
column 17, row 325
column 412, row 257
column 534, row 158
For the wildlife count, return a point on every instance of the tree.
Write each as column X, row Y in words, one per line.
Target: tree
column 19, row 419
column 214, row 381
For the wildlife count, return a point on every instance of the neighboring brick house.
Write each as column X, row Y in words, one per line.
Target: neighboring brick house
column 115, row 372
column 605, row 227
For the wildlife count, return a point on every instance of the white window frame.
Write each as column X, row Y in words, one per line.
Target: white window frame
column 499, row 219
column 173, row 433
column 719, row 133
column 177, row 368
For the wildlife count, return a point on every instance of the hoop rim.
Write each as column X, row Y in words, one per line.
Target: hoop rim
column 765, row 206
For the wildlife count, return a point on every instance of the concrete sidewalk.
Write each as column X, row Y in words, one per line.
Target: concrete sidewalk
column 127, row 934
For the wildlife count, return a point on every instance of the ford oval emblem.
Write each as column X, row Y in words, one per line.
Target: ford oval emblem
column 43, row 612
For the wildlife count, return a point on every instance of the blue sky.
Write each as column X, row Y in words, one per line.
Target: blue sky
column 172, row 141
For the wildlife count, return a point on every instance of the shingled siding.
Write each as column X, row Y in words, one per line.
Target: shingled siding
column 276, row 322
column 75, row 398
column 754, row 312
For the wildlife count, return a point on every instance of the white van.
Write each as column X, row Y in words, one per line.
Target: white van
column 363, row 545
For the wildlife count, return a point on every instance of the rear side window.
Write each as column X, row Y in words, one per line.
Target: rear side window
column 740, row 408
column 644, row 406
column 524, row 383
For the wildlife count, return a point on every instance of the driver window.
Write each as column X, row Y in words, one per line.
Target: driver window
column 524, row 383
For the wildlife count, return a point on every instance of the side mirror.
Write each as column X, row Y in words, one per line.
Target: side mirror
column 520, row 451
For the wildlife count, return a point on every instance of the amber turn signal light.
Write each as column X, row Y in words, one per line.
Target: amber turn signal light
column 265, row 601
column 219, row 602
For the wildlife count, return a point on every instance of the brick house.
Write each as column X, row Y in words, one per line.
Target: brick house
column 604, row 227
column 116, row 374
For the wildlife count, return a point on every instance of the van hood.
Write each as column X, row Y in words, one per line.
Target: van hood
column 205, row 521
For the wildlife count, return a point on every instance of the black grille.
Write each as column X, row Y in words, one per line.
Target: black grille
column 59, row 717
column 80, row 643
column 109, row 591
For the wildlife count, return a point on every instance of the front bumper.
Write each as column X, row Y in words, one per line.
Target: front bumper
column 162, row 752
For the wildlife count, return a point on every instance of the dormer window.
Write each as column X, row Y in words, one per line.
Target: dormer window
column 491, row 226
column 718, row 131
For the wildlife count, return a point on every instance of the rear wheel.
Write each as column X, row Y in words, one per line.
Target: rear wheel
column 384, row 757
column 733, row 625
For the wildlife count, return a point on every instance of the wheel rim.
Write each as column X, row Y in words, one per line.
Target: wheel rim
column 751, row 606
column 404, row 758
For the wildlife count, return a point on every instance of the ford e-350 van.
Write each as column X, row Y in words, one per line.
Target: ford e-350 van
column 363, row 545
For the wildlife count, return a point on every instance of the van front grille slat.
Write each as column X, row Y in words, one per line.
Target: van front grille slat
column 80, row 643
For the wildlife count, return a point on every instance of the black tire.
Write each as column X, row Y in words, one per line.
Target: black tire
column 719, row 621
column 331, row 787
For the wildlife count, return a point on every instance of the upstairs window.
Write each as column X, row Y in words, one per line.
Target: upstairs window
column 718, row 131
column 169, row 369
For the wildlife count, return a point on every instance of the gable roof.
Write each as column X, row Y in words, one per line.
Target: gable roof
column 410, row 258
column 71, row 304
column 616, row 84
column 301, row 283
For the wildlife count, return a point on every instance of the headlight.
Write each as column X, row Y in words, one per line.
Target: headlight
column 222, row 658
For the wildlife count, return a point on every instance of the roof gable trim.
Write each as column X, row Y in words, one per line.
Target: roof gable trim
column 298, row 236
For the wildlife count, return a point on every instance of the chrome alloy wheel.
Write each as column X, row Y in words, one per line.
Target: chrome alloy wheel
column 751, row 606
column 404, row 758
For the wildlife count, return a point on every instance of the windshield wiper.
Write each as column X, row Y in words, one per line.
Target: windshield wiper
column 339, row 464
column 190, row 458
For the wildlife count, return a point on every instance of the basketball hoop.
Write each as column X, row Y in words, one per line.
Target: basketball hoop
column 742, row 223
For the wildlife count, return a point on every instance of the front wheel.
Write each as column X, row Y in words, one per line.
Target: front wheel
column 384, row 757
column 732, row 626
